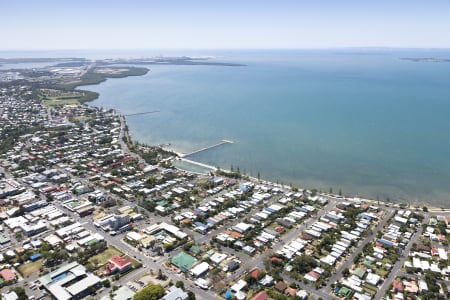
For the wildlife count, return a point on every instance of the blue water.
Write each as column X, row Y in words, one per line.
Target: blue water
column 361, row 121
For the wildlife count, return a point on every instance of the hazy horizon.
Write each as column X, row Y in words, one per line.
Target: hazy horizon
column 231, row 49
column 212, row 53
column 200, row 24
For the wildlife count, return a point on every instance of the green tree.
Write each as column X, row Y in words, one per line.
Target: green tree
column 20, row 293
column 150, row 292
column 191, row 295
column 106, row 283
column 303, row 264
column 179, row 284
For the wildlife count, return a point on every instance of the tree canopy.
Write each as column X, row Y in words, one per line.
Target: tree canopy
column 303, row 264
column 150, row 292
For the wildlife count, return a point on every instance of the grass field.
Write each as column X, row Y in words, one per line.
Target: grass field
column 102, row 258
column 55, row 102
column 134, row 262
column 30, row 268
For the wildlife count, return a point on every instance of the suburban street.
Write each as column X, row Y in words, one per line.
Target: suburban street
column 207, row 205
column 348, row 261
column 147, row 262
column 399, row 264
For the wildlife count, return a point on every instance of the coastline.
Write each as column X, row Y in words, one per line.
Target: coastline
column 396, row 204
column 93, row 78
column 351, row 198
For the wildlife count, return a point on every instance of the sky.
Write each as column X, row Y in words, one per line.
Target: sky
column 223, row 24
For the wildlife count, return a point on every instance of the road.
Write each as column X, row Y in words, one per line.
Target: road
column 309, row 289
column 248, row 262
column 399, row 264
column 148, row 262
column 348, row 261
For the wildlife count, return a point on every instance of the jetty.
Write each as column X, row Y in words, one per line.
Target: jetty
column 199, row 164
column 222, row 142
column 141, row 113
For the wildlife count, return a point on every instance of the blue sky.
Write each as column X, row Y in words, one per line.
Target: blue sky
column 198, row 24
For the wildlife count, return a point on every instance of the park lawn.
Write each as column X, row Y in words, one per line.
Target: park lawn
column 102, row 258
column 272, row 226
column 30, row 268
column 55, row 102
column 134, row 262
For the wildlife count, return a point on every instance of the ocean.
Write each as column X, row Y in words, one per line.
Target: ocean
column 362, row 121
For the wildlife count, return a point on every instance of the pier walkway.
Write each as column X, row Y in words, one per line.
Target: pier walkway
column 222, row 142
column 141, row 113
column 199, row 164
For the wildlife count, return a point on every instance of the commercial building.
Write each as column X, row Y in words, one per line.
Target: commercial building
column 70, row 282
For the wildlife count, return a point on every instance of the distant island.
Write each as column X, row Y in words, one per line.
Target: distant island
column 183, row 60
column 69, row 62
column 426, row 59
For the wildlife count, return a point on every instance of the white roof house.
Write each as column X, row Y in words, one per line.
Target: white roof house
column 238, row 286
column 373, row 279
column 442, row 254
column 199, row 269
column 217, row 258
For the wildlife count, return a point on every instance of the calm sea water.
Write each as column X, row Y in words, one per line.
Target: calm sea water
column 364, row 122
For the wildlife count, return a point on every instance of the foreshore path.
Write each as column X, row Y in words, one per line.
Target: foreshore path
column 199, row 164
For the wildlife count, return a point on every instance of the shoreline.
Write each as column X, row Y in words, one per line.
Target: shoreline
column 430, row 207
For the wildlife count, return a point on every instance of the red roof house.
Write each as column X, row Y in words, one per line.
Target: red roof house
column 261, row 296
column 276, row 259
column 280, row 229
column 280, row 286
column 255, row 273
column 290, row 291
column 118, row 264
column 8, row 275
column 398, row 286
